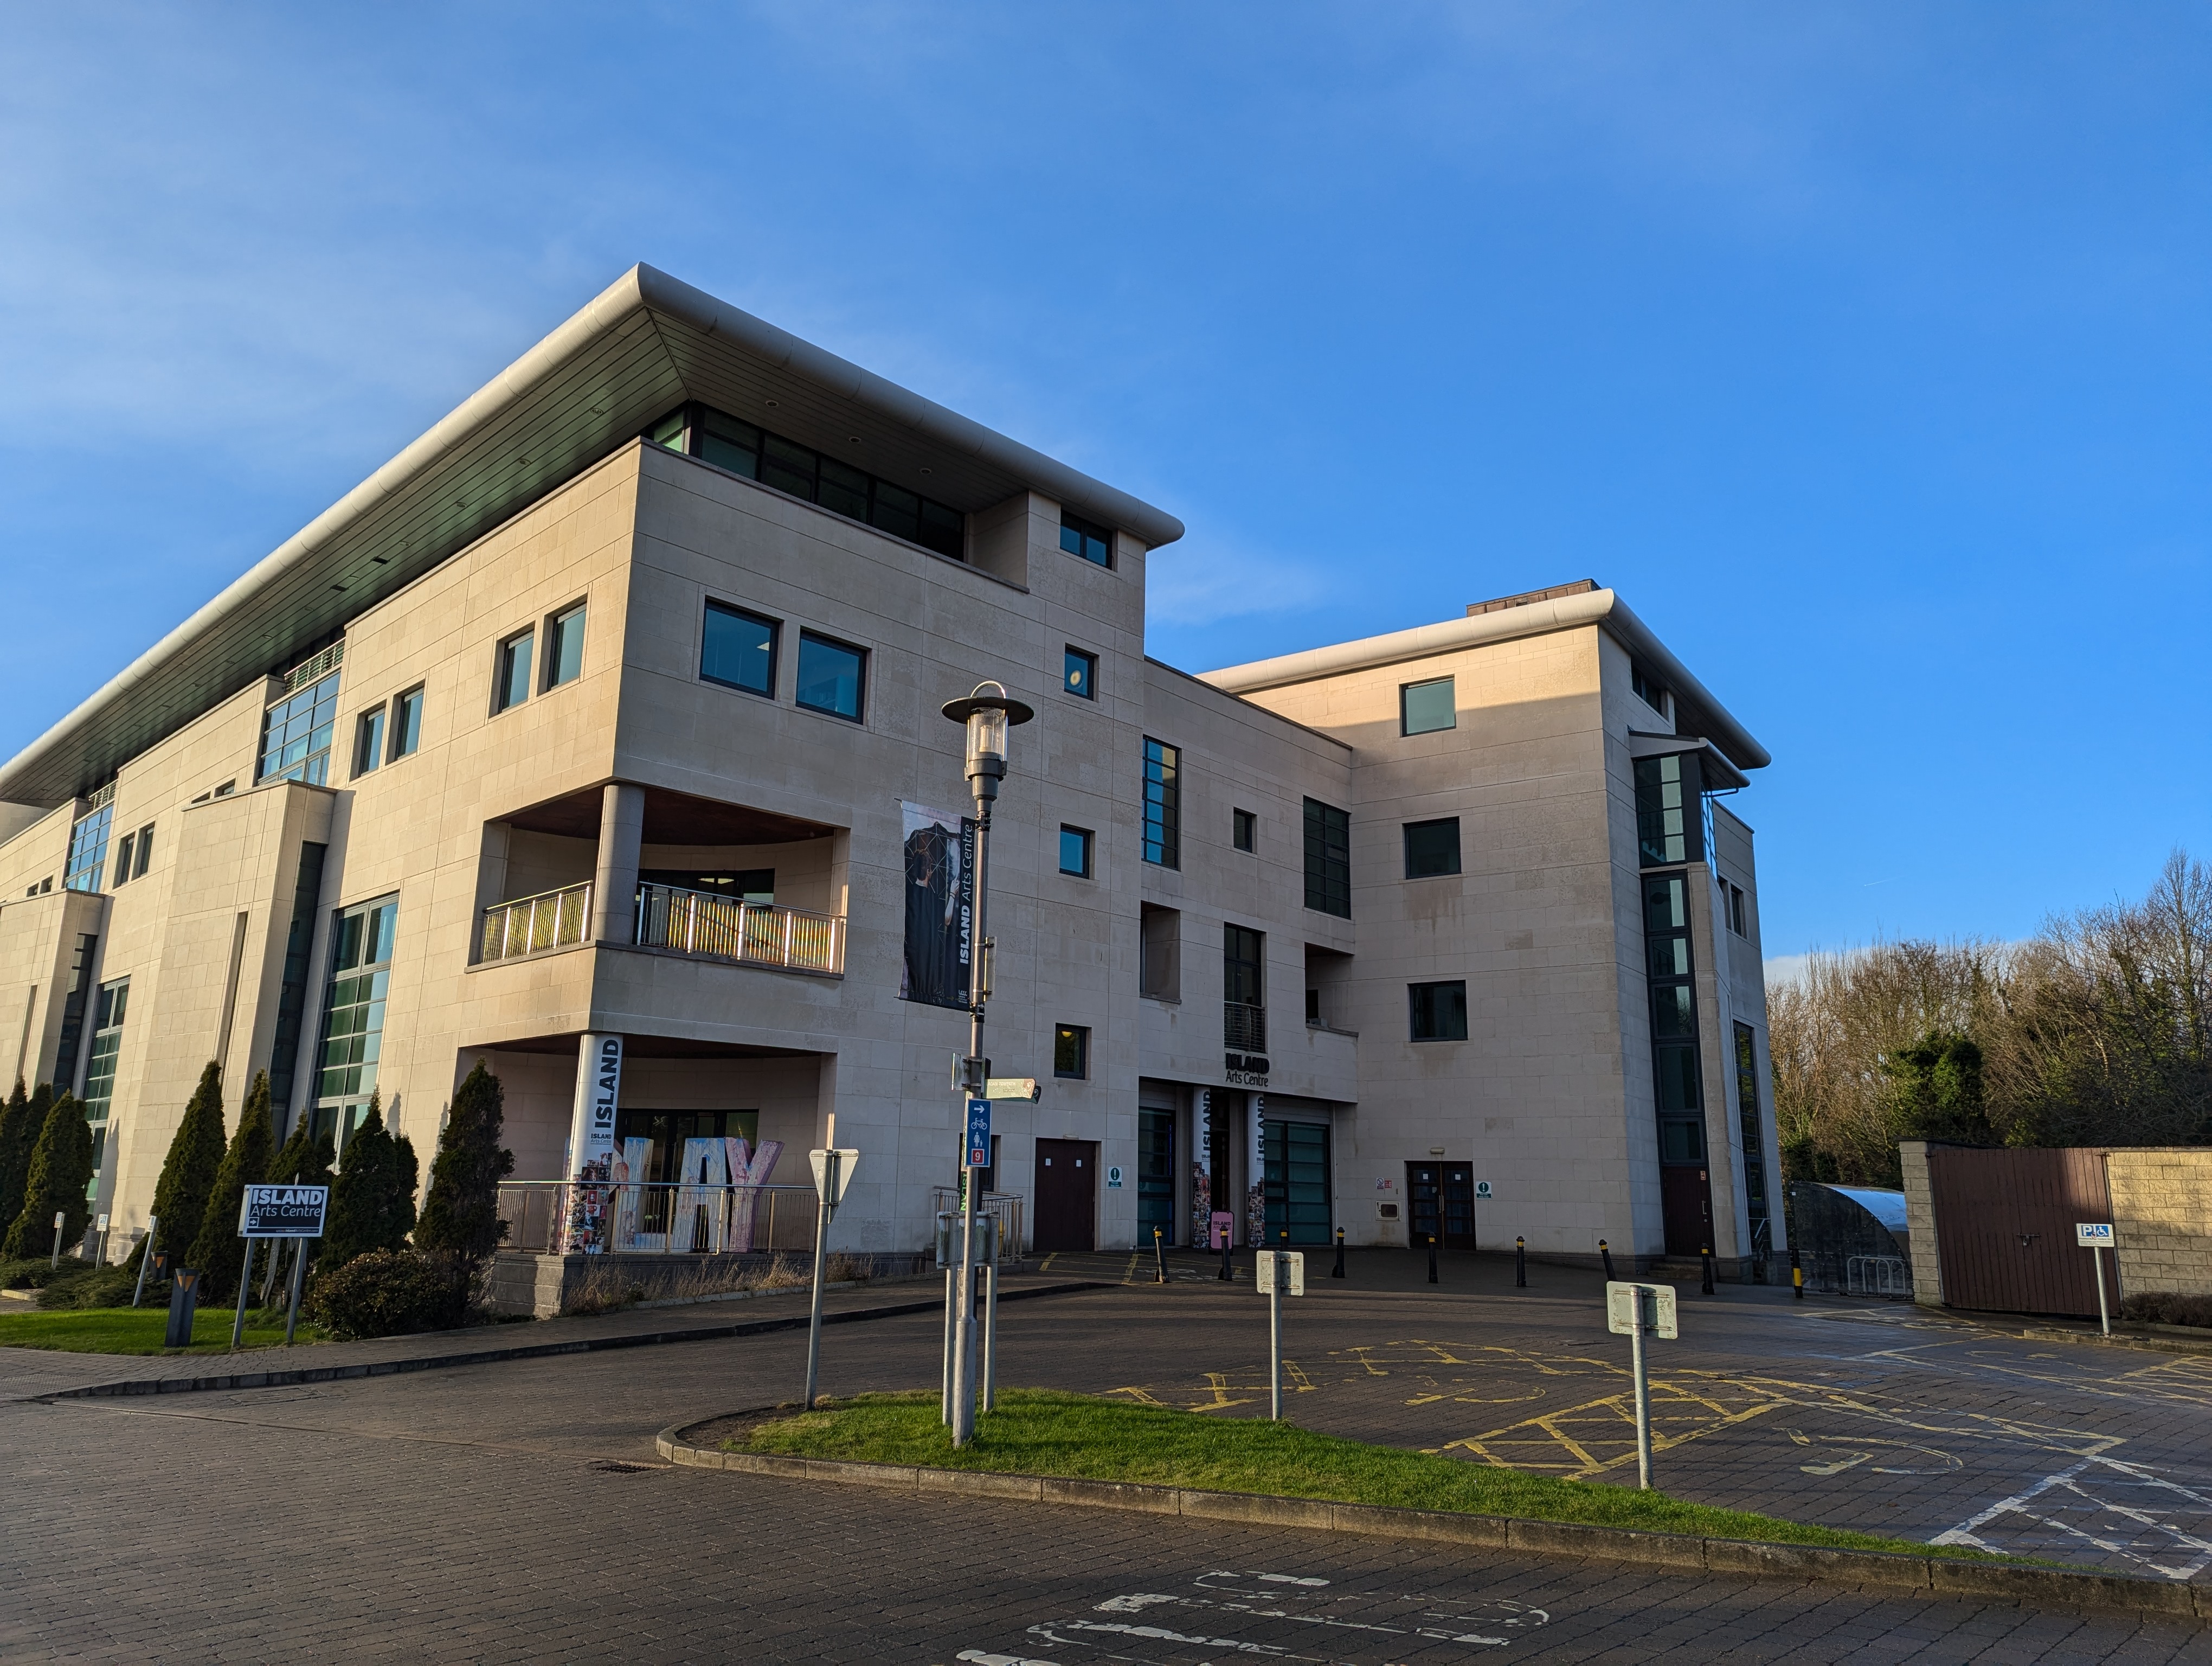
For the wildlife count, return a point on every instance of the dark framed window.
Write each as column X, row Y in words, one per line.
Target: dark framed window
column 406, row 725
column 100, row 1066
column 353, row 1014
column 1071, row 1051
column 728, row 443
column 295, row 735
column 1087, row 538
column 1244, row 829
column 833, row 676
column 1079, row 673
column 737, row 649
column 124, row 847
column 73, row 1005
column 1668, row 826
column 1163, row 804
column 564, row 647
column 145, row 851
column 1328, row 859
column 511, row 684
column 1739, row 918
column 367, row 741
column 1671, row 972
column 1426, row 708
column 1649, row 689
column 1075, row 851
column 1438, row 1010
column 1243, row 966
column 1755, row 1147
column 1431, row 848
column 88, row 843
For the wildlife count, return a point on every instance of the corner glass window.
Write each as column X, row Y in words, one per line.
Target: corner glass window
column 1425, row 708
column 739, row 649
column 1163, row 804
column 407, row 723
column 1075, row 852
column 88, row 843
column 295, row 735
column 1669, row 827
column 513, row 687
column 1079, row 675
column 368, row 741
column 1087, row 538
column 1438, row 1010
column 353, row 1011
column 1431, row 848
column 564, row 648
column 832, row 676
column 1071, row 1051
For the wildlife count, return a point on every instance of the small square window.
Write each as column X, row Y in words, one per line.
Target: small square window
column 739, row 649
column 832, row 676
column 1087, row 538
column 1243, row 829
column 1075, row 851
column 513, row 687
column 564, row 648
column 1431, row 848
column 368, row 741
column 1071, row 1052
column 1426, row 708
column 406, row 725
column 1439, row 1009
column 1079, row 674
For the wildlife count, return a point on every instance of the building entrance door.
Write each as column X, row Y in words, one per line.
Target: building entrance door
column 1066, row 1195
column 1440, row 1199
column 1686, row 1195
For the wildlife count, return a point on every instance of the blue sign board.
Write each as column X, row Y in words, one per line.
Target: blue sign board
column 979, row 1133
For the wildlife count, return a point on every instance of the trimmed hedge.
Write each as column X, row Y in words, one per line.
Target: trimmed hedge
column 387, row 1292
column 2164, row 1307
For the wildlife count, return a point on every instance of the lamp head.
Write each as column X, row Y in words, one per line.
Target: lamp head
column 989, row 714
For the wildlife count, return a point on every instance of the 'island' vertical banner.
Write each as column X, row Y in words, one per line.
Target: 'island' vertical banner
column 591, row 1145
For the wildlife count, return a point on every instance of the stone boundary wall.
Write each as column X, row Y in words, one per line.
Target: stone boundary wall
column 2162, row 1218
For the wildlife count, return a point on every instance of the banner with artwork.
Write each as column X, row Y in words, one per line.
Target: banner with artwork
column 940, row 905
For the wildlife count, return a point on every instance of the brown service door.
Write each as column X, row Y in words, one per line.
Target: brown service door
column 1066, row 1195
column 2004, row 1228
column 1686, row 1196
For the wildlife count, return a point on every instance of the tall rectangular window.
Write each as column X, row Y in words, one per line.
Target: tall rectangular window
column 292, row 993
column 1156, row 1175
column 564, row 648
column 367, row 741
column 1163, row 804
column 1243, row 966
column 144, row 859
column 1668, row 826
column 88, row 843
column 353, row 1014
column 74, row 1001
column 295, row 734
column 738, row 649
column 512, row 684
column 1739, row 918
column 407, row 724
column 1754, row 1154
column 1245, row 831
column 123, row 849
column 1071, row 1052
column 1087, row 538
column 832, row 676
column 1431, row 848
column 1075, row 852
column 1426, row 708
column 1671, row 974
column 1079, row 673
column 1328, row 859
column 1437, row 1011
column 100, row 1066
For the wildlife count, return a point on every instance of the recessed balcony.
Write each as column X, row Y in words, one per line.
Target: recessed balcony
column 711, row 927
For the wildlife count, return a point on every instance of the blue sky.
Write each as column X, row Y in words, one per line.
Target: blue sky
column 1863, row 349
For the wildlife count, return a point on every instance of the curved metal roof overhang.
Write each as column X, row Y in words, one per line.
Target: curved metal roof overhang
column 1698, row 712
column 646, row 344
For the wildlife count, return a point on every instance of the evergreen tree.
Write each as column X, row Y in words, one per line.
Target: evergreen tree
column 61, row 1174
column 372, row 1204
column 21, row 1121
column 216, row 1250
column 188, row 1172
column 460, row 1225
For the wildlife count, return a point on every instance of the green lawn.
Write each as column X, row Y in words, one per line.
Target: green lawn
column 1034, row 1432
column 136, row 1330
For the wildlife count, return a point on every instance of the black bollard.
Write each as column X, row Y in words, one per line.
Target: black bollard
column 1705, row 1257
column 1159, row 1258
column 1797, row 1276
column 1432, row 1258
column 1520, row 1264
column 1228, row 1255
column 1608, row 1253
column 1339, row 1272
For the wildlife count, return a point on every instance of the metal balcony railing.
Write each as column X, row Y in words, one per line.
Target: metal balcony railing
column 712, row 928
column 1243, row 1029
column 548, row 920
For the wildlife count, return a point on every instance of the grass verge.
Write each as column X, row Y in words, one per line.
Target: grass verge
column 137, row 1330
column 1036, row 1432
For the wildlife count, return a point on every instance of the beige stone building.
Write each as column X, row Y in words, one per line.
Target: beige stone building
column 609, row 709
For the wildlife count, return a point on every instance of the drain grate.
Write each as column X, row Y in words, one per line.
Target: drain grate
column 612, row 1467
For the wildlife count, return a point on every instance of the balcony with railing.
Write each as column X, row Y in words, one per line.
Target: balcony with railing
column 529, row 925
column 1243, row 1028
column 711, row 927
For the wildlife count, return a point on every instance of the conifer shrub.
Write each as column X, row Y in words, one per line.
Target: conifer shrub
column 188, row 1172
column 61, row 1173
column 386, row 1293
column 373, row 1200
column 216, row 1250
column 460, row 1228
column 21, row 1119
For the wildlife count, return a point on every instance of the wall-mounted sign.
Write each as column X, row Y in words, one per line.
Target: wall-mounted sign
column 1114, row 1177
column 1245, row 1070
column 1482, row 1188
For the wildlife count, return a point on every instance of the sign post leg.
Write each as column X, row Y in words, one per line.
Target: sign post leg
column 991, row 1327
column 299, row 1278
column 1275, row 1344
column 1642, row 1399
column 945, row 1411
column 2103, row 1318
column 245, row 1277
column 145, row 1255
column 814, row 1319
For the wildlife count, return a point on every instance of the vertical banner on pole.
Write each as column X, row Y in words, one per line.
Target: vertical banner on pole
column 1202, row 1168
column 591, row 1145
column 1256, row 1171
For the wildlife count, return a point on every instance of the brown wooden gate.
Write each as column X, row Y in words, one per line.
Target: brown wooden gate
column 1066, row 1195
column 2004, row 1227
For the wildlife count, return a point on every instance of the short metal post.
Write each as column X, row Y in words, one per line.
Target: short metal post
column 814, row 1319
column 1338, row 1271
column 299, row 1278
column 2103, row 1318
column 145, row 1255
column 1643, row 1397
column 1606, row 1256
column 1228, row 1253
column 1275, row 1342
column 1705, row 1261
column 944, row 1415
column 1159, row 1257
column 55, row 1259
column 991, row 1326
column 1520, row 1264
column 245, row 1277
column 1797, row 1276
column 1432, row 1258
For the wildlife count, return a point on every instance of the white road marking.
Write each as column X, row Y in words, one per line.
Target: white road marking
column 1969, row 1532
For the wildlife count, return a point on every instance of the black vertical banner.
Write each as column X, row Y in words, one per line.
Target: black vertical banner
column 940, row 906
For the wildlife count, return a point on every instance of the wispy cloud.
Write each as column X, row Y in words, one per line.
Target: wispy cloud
column 1203, row 582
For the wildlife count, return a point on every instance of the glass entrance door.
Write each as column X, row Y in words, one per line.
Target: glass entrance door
column 1295, row 1184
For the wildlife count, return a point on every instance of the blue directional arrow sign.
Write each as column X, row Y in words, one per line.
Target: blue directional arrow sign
column 979, row 1133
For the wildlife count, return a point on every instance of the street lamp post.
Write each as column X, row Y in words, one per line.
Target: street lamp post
column 987, row 713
